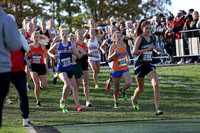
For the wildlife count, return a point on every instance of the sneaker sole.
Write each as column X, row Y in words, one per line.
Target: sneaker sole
column 80, row 109
column 88, row 105
column 161, row 113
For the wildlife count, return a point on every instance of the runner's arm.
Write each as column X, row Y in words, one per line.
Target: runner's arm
column 112, row 53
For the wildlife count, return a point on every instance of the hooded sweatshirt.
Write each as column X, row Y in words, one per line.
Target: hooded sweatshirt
column 9, row 40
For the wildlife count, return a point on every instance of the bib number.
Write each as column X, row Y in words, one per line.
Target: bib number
column 66, row 62
column 147, row 56
column 94, row 53
column 36, row 59
column 122, row 62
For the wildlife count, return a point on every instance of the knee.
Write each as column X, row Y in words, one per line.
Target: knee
column 155, row 85
column 85, row 83
column 129, row 84
column 140, row 89
column 94, row 69
column 116, row 90
column 44, row 86
column 37, row 85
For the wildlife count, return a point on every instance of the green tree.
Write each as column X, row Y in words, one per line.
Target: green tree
column 22, row 9
column 102, row 10
column 154, row 7
column 54, row 9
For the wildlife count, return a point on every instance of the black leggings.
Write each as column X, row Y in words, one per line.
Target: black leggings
column 4, row 87
column 18, row 79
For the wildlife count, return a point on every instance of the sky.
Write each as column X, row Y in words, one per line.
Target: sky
column 184, row 5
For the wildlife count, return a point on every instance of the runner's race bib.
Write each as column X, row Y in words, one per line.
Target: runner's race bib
column 66, row 62
column 122, row 62
column 95, row 53
column 147, row 56
column 36, row 59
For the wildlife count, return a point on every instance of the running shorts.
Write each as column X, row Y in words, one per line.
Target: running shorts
column 39, row 68
column 118, row 74
column 143, row 68
column 78, row 71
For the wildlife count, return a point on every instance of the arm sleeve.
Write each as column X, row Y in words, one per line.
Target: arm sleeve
column 25, row 44
column 11, row 35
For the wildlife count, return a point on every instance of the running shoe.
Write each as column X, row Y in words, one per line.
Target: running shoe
column 29, row 88
column 134, row 103
column 79, row 108
column 96, row 86
column 27, row 123
column 88, row 104
column 62, row 104
column 116, row 105
column 8, row 101
column 54, row 80
column 107, row 86
column 159, row 112
column 123, row 94
column 64, row 110
column 38, row 104
column 120, row 91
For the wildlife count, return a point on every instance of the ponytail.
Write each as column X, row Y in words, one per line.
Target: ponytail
column 141, row 24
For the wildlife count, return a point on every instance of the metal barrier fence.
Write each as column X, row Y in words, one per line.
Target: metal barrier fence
column 193, row 45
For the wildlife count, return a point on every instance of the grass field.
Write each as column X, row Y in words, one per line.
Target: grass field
column 180, row 99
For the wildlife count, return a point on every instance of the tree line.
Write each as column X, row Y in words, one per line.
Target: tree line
column 75, row 13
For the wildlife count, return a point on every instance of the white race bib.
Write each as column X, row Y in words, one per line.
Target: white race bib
column 95, row 53
column 122, row 62
column 66, row 62
column 147, row 56
column 36, row 59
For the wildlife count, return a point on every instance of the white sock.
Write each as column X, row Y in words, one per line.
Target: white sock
column 25, row 119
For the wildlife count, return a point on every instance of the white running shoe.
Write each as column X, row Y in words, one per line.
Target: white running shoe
column 88, row 104
column 181, row 62
column 27, row 123
column 8, row 101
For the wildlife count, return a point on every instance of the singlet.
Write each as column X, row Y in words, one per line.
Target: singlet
column 119, row 63
column 46, row 34
column 82, row 45
column 146, row 56
column 28, row 38
column 53, row 34
column 64, row 58
column 93, row 50
column 37, row 55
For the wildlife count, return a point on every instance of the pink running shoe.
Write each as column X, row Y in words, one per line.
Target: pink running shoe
column 107, row 86
column 79, row 108
column 120, row 91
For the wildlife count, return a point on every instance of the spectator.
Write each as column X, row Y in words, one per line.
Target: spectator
column 177, row 25
column 129, row 35
column 9, row 40
column 112, row 21
column 185, row 37
column 193, row 24
column 191, row 11
column 159, row 36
